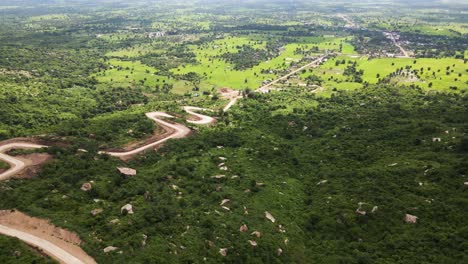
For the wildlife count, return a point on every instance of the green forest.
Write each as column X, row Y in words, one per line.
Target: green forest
column 345, row 139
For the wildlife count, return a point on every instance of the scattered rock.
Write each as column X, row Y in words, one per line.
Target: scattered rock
column 245, row 211
column 222, row 158
column 436, row 139
column 110, row 249
column 174, row 187
column 126, row 209
column 411, row 219
column 226, row 208
column 127, row 172
column 260, row 184
column 224, row 168
column 96, row 211
column 465, row 183
column 143, row 242
column 281, row 229
column 269, row 217
column 256, row 233
column 322, row 182
column 224, row 201
column 243, row 228
column 114, row 221
column 374, row 209
column 279, row 252
column 223, row 252
column 253, row 243
column 218, row 176
column 359, row 211
column 393, row 164
column 86, row 186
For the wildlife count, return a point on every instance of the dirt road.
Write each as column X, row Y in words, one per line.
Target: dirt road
column 59, row 252
column 49, row 248
column 16, row 165
column 403, row 51
column 180, row 131
column 265, row 88
column 202, row 119
column 349, row 22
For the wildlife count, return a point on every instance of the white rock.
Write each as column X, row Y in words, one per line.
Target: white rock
column 253, row 243
column 127, row 208
column 411, row 219
column 270, row 217
column 110, row 249
column 322, row 182
column 256, row 233
column 86, row 186
column 223, row 251
column 224, row 201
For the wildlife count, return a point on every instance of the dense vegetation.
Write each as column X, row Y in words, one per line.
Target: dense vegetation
column 369, row 130
column 13, row 251
column 372, row 147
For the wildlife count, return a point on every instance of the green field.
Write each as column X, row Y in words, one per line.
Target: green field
column 434, row 76
column 131, row 73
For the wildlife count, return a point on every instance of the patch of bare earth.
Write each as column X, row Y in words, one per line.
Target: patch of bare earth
column 67, row 240
column 33, row 163
column 228, row 93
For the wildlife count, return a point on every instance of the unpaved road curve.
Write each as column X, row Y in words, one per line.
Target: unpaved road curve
column 181, row 131
column 49, row 248
column 16, row 165
column 202, row 119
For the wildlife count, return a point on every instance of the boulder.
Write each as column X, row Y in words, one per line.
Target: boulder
column 270, row 217
column 223, row 252
column 128, row 208
column 411, row 219
column 86, row 186
column 256, row 233
column 96, row 211
column 127, row 172
column 243, row 228
column 109, row 249
column 279, row 252
column 224, row 201
column 252, row 243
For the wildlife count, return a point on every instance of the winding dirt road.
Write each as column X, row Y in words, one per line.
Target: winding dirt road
column 16, row 165
column 180, row 131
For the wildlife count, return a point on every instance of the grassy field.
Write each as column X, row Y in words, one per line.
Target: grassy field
column 129, row 73
column 219, row 73
column 434, row 76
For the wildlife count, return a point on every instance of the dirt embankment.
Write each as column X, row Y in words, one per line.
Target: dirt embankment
column 44, row 230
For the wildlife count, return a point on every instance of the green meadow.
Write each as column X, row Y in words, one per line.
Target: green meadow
column 437, row 74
